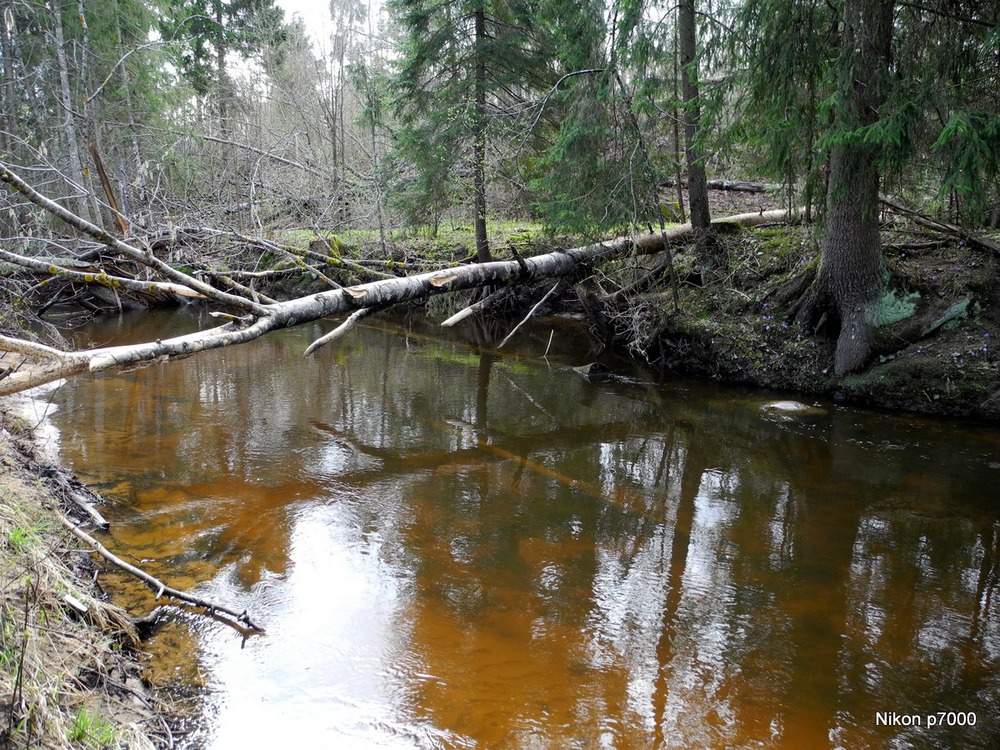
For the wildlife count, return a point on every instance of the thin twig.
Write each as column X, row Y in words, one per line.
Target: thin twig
column 530, row 313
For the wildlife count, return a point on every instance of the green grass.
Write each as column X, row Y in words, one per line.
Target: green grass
column 91, row 730
column 21, row 539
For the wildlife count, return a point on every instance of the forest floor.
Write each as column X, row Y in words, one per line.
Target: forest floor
column 68, row 677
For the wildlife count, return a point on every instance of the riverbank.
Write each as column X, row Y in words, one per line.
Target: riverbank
column 68, row 673
column 937, row 348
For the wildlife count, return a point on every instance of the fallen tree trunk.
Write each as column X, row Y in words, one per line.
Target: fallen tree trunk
column 733, row 186
column 29, row 364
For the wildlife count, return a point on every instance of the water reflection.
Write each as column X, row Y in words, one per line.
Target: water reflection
column 453, row 547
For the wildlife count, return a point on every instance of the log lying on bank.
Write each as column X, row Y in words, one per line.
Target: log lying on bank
column 736, row 186
column 29, row 364
column 977, row 241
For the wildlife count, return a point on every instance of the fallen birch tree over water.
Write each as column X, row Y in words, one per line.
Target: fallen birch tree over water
column 29, row 364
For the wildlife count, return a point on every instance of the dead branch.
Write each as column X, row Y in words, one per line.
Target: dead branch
column 731, row 185
column 475, row 307
column 531, row 312
column 943, row 227
column 239, row 620
column 340, row 331
column 267, row 154
column 77, row 495
column 99, row 277
column 144, row 257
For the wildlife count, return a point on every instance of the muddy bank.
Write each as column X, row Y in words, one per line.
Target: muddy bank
column 69, row 676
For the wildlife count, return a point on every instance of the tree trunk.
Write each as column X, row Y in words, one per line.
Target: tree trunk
column 677, row 132
column 7, row 122
column 88, row 116
column 143, row 209
column 479, row 141
column 78, row 202
column 8, row 219
column 222, row 88
column 701, row 218
column 853, row 269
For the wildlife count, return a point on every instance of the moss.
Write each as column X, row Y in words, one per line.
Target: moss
column 894, row 308
column 952, row 317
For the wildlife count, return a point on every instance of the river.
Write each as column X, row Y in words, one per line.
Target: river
column 455, row 547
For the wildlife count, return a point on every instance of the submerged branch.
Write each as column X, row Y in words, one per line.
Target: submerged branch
column 239, row 620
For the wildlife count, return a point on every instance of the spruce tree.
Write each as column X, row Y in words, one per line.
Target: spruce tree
column 852, row 268
column 709, row 253
column 878, row 95
column 463, row 66
column 606, row 145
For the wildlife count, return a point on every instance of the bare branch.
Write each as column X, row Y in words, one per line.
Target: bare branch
column 239, row 620
column 144, row 257
column 528, row 316
column 342, row 330
column 268, row 154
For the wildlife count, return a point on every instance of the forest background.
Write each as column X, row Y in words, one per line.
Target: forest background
column 207, row 132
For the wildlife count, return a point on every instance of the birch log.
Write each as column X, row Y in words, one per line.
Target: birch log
column 36, row 365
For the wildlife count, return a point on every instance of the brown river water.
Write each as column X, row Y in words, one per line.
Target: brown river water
column 455, row 547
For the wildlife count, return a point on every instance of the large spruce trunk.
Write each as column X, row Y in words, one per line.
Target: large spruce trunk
column 709, row 255
column 853, row 269
column 852, row 274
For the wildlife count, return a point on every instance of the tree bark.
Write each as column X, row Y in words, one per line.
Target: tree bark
column 701, row 218
column 8, row 218
column 7, row 123
column 79, row 202
column 852, row 271
column 479, row 141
